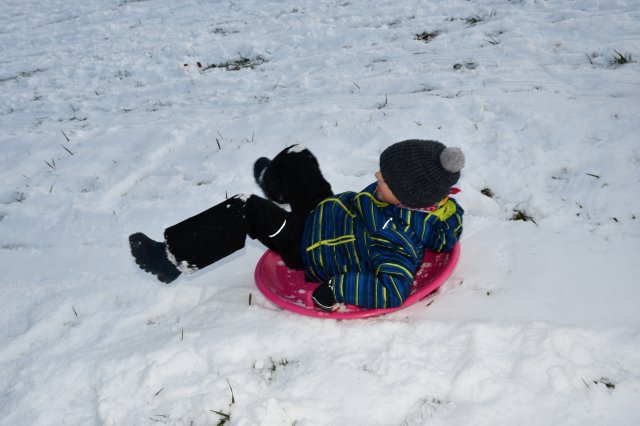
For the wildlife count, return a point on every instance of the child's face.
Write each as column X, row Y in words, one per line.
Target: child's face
column 384, row 193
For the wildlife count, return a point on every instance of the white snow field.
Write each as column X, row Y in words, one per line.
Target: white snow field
column 108, row 126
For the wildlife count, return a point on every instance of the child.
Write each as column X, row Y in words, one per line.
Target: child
column 364, row 247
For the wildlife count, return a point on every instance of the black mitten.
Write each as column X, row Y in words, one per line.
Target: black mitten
column 324, row 298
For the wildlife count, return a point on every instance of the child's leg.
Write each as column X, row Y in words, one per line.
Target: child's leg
column 294, row 177
column 209, row 236
column 276, row 228
column 220, row 231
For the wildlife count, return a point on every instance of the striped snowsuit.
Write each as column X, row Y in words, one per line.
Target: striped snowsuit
column 370, row 250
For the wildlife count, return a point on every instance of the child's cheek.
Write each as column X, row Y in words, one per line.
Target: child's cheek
column 380, row 195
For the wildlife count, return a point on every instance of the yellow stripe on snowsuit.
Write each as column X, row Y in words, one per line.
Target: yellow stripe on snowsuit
column 333, row 242
column 339, row 202
column 395, row 287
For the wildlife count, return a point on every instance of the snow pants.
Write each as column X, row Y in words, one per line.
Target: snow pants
column 293, row 177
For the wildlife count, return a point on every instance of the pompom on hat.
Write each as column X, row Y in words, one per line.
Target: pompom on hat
column 420, row 172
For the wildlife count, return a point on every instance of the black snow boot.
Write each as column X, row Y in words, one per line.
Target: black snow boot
column 151, row 256
column 268, row 180
column 259, row 168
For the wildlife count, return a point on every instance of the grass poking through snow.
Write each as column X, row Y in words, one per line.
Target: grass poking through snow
column 621, row 58
column 522, row 215
column 225, row 417
column 427, row 36
column 237, row 64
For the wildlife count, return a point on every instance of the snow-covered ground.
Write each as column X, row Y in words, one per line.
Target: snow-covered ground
column 108, row 126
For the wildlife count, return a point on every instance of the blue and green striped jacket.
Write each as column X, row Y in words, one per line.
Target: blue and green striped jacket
column 369, row 249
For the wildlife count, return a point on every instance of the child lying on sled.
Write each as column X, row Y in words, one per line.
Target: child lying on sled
column 364, row 247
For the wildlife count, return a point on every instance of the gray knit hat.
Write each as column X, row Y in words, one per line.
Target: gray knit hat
column 419, row 172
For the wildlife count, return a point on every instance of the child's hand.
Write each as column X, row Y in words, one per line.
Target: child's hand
column 324, row 298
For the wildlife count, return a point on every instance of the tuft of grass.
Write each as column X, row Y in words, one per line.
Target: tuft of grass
column 621, row 58
column 522, row 215
column 426, row 36
column 225, row 417
column 282, row 363
column 23, row 74
column 487, row 192
column 476, row 19
column 495, row 40
column 51, row 164
column 236, row 65
column 466, row 65
column 605, row 381
column 233, row 399
column 382, row 105
column 247, row 140
column 473, row 20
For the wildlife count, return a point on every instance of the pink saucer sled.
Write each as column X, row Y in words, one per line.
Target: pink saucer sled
column 287, row 288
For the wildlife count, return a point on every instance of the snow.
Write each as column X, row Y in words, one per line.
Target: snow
column 109, row 127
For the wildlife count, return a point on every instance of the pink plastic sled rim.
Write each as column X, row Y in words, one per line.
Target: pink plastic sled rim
column 287, row 288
